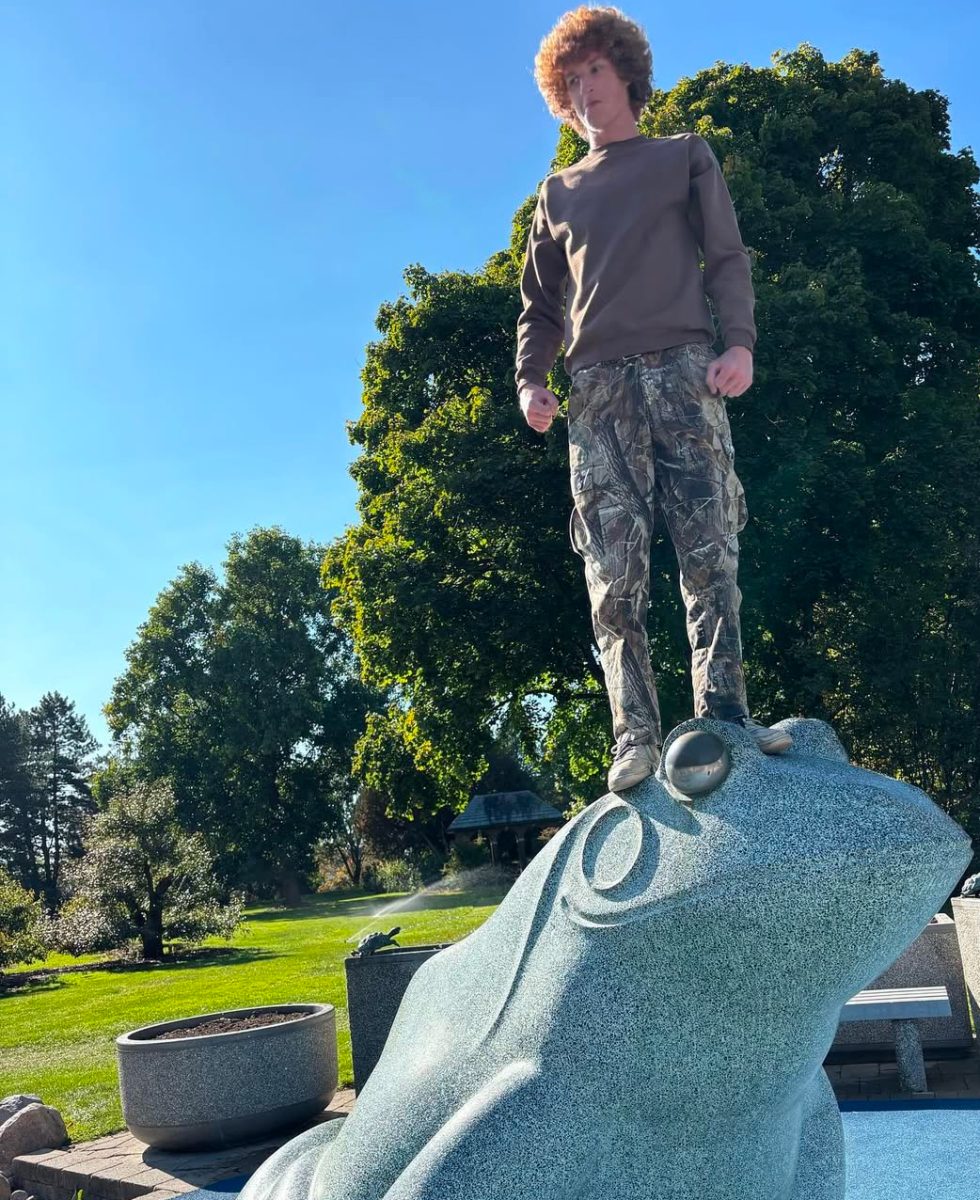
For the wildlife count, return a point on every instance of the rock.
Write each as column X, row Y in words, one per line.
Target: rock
column 36, row 1127
column 4, row 1188
column 11, row 1104
column 20, row 1195
column 683, row 958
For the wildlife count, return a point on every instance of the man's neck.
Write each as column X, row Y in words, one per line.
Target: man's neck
column 615, row 133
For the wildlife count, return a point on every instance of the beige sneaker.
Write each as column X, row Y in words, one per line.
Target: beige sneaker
column 632, row 764
column 769, row 741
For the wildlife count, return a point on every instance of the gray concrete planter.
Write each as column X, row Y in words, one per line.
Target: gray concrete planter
column 966, row 911
column 376, row 984
column 196, row 1092
column 932, row 960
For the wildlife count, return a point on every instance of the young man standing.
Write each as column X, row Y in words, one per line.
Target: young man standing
column 615, row 242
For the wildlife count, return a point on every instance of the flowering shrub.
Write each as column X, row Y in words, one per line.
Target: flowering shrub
column 142, row 878
column 393, row 875
column 21, row 929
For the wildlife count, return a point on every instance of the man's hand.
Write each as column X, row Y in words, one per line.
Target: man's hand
column 538, row 405
column 731, row 373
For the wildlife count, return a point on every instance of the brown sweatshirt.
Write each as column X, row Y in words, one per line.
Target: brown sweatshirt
column 615, row 240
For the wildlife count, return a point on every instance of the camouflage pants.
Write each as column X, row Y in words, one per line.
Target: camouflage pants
column 645, row 432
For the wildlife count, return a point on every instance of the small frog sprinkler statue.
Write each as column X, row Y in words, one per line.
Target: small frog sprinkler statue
column 971, row 886
column 374, row 941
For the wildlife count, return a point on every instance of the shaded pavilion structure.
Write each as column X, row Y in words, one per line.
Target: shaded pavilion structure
column 510, row 821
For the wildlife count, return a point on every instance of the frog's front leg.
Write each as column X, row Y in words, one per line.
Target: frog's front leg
column 490, row 1143
column 290, row 1173
column 820, row 1170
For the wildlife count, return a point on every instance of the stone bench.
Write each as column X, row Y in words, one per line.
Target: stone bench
column 902, row 1007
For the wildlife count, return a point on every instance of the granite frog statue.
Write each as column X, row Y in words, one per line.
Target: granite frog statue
column 687, row 961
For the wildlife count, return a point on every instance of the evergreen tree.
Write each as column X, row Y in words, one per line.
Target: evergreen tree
column 14, row 793
column 46, row 793
column 58, row 763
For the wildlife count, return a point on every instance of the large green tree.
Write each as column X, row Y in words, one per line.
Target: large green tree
column 244, row 693
column 857, row 444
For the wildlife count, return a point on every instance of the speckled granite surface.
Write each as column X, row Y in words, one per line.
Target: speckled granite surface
column 690, row 960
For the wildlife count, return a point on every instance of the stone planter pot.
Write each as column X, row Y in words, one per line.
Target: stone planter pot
column 376, row 984
column 221, row 1088
column 966, row 911
column 932, row 960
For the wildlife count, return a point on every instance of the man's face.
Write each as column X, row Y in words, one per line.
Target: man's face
column 597, row 93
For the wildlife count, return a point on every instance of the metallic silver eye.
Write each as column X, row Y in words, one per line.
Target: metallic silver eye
column 697, row 762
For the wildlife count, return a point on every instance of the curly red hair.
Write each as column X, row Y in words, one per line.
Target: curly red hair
column 581, row 31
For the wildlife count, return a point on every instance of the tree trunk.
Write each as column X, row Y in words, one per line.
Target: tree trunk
column 353, row 869
column 152, row 940
column 289, row 889
column 151, row 935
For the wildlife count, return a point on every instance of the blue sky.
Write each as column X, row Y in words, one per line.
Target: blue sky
column 202, row 205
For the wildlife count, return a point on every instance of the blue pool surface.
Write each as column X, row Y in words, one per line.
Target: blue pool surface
column 896, row 1150
column 912, row 1150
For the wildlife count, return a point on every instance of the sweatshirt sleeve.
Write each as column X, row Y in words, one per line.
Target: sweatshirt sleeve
column 541, row 325
column 727, row 266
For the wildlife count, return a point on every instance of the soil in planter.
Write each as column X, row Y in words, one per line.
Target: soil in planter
column 227, row 1025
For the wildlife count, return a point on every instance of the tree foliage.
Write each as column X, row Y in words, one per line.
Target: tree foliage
column 15, row 784
column 21, row 936
column 857, row 444
column 343, row 838
column 143, row 878
column 45, row 765
column 243, row 692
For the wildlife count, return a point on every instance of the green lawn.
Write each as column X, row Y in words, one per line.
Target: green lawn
column 56, row 1039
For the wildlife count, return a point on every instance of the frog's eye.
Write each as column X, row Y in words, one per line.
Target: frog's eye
column 697, row 762
column 617, row 863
